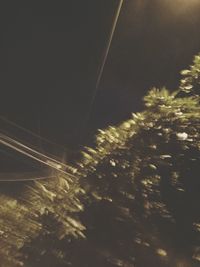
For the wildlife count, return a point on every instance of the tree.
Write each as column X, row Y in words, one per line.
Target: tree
column 190, row 83
column 134, row 198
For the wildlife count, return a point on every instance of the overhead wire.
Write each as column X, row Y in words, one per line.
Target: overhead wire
column 31, row 132
column 35, row 155
column 40, row 157
column 104, row 60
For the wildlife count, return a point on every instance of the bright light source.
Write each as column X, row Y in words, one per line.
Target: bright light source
column 161, row 252
column 54, row 164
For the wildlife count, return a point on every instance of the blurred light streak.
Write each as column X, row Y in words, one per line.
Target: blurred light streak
column 103, row 62
column 24, row 176
column 35, row 155
column 16, row 126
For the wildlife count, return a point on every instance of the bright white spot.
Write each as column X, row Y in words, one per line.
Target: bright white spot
column 54, row 164
column 185, row 72
column 182, row 136
column 112, row 163
column 58, row 166
column 165, row 156
column 181, row 189
column 161, row 252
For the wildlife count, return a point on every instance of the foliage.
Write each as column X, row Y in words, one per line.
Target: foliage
column 139, row 188
column 18, row 225
column 190, row 84
column 44, row 211
column 147, row 185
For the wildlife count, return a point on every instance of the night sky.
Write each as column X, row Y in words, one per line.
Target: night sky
column 50, row 55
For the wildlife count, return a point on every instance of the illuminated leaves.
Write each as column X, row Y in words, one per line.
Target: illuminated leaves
column 136, row 189
column 190, row 83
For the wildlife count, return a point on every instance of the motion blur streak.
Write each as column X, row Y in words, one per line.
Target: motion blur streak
column 22, row 177
column 31, row 153
column 8, row 123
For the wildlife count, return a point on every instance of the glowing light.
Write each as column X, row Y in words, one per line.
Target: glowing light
column 54, row 165
column 179, row 7
column 33, row 154
column 161, row 252
column 182, row 136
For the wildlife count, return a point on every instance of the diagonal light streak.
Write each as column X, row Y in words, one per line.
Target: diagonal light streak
column 27, row 176
column 35, row 155
column 9, row 123
column 11, row 140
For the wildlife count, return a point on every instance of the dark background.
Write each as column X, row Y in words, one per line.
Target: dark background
column 50, row 54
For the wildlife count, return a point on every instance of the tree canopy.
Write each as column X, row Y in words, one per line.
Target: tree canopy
column 134, row 199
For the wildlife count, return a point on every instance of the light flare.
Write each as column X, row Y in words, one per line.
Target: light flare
column 35, row 155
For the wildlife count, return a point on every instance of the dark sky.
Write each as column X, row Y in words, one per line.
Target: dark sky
column 50, row 54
